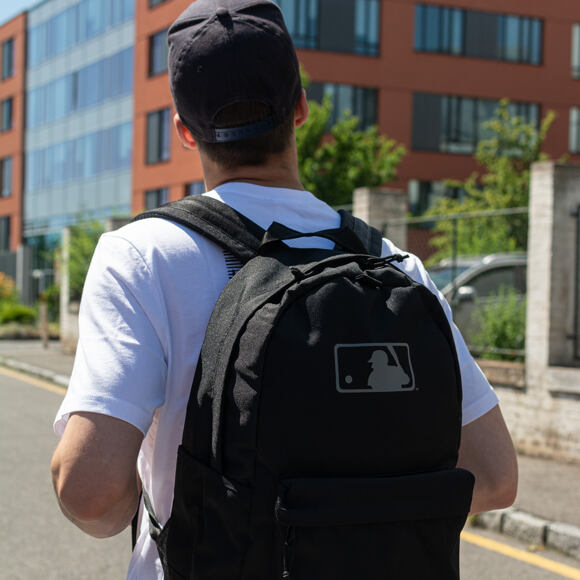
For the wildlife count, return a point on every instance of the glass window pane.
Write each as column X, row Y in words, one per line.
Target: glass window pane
column 511, row 38
column 419, row 26
column 536, row 41
column 6, row 177
column 457, row 32
column 573, row 130
column 485, row 111
column 432, row 28
column 158, row 53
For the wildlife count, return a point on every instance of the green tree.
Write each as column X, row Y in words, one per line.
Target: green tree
column 506, row 156
column 83, row 241
column 333, row 162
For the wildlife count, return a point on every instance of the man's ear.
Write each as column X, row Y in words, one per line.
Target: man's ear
column 184, row 134
column 301, row 110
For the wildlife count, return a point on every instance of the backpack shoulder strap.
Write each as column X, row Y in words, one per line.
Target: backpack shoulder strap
column 216, row 221
column 236, row 233
column 369, row 236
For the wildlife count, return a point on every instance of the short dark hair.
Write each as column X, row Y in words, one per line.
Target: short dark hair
column 253, row 151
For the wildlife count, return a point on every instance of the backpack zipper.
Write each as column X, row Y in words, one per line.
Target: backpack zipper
column 288, row 541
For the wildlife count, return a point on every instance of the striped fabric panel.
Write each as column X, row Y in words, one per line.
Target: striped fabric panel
column 233, row 265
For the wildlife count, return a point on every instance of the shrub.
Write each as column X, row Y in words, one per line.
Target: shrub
column 14, row 312
column 502, row 324
column 7, row 288
column 52, row 297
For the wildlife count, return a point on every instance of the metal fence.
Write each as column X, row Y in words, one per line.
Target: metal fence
column 478, row 259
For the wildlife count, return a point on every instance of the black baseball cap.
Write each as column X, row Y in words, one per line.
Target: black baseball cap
column 223, row 52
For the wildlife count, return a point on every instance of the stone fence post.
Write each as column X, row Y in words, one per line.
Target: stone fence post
column 378, row 207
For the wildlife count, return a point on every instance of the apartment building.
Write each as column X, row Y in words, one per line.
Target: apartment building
column 12, row 87
column 79, row 114
column 429, row 73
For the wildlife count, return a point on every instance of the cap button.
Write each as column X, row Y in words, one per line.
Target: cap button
column 221, row 12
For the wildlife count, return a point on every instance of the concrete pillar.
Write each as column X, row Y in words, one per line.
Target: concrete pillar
column 23, row 274
column 552, row 268
column 384, row 209
column 68, row 319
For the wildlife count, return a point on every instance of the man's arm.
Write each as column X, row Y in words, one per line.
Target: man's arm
column 487, row 451
column 94, row 472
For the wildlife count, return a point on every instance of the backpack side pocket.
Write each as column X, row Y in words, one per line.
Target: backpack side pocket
column 373, row 528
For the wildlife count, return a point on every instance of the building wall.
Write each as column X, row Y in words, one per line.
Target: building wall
column 400, row 71
column 397, row 72
column 152, row 94
column 78, row 154
column 12, row 141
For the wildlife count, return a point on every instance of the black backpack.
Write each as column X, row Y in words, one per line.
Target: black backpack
column 324, row 420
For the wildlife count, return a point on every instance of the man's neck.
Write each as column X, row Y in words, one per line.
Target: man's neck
column 280, row 171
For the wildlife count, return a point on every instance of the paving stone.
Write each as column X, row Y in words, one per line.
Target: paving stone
column 564, row 537
column 525, row 527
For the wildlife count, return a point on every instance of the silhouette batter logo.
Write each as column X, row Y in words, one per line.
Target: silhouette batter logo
column 373, row 368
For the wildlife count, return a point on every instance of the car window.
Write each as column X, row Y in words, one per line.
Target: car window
column 442, row 275
column 490, row 281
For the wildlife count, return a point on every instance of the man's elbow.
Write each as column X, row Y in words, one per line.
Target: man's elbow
column 83, row 502
column 504, row 490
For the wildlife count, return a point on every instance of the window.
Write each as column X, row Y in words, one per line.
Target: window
column 439, row 29
column 367, row 27
column 156, row 197
column 576, row 51
column 158, row 53
column 452, row 124
column 7, row 59
column 90, row 86
column 5, row 233
column 195, row 188
column 519, row 39
column 361, row 102
column 301, row 18
column 6, row 177
column 574, row 132
column 77, row 24
column 6, row 115
column 87, row 156
column 158, row 135
column 476, row 34
column 423, row 194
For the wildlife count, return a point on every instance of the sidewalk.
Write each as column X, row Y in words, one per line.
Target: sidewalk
column 546, row 511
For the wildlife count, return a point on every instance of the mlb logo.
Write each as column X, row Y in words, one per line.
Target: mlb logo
column 373, row 368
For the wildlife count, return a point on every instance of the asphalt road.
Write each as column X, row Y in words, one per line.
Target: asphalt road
column 38, row 543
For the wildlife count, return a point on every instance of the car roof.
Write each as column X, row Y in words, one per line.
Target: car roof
column 484, row 260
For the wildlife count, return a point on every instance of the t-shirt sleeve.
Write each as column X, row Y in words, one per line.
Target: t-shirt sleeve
column 478, row 395
column 121, row 361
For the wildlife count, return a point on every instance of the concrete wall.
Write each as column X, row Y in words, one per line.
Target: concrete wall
column 544, row 414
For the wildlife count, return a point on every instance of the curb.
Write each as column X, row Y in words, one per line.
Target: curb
column 533, row 530
column 52, row 376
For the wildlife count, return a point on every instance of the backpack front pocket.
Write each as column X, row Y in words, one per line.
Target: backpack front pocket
column 402, row 528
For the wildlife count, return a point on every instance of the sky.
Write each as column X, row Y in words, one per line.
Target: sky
column 10, row 8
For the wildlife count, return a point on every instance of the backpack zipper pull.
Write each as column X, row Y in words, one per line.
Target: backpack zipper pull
column 395, row 258
column 285, row 549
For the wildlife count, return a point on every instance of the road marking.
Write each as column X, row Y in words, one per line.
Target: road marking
column 33, row 381
column 533, row 559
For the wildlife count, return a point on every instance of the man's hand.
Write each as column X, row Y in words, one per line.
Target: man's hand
column 94, row 473
column 488, row 452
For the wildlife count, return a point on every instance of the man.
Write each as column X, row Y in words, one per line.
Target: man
column 152, row 284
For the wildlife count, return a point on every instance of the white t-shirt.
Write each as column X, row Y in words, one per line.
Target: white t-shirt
column 147, row 300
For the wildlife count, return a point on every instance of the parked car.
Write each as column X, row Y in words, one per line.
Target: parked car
column 477, row 281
